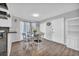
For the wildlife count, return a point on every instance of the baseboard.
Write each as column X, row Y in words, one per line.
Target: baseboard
column 59, row 43
column 56, row 42
column 63, row 45
column 72, row 48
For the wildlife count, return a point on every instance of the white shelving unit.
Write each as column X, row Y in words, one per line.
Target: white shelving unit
column 72, row 33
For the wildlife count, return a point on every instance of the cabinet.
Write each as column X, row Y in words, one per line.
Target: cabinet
column 72, row 33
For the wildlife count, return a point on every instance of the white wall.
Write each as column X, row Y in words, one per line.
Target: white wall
column 9, row 44
column 43, row 28
column 5, row 23
column 58, row 30
column 16, row 28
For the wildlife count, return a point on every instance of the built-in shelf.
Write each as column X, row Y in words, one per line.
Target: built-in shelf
column 72, row 31
column 73, row 25
column 73, row 28
column 73, row 22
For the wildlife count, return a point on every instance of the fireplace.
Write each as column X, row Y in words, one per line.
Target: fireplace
column 3, row 40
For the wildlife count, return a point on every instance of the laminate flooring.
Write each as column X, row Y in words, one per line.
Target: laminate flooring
column 44, row 48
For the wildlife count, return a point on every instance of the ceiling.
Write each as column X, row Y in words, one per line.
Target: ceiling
column 45, row 10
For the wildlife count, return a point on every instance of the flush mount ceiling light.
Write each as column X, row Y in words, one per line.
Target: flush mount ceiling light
column 35, row 15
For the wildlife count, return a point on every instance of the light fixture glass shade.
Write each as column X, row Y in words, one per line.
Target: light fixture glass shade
column 35, row 15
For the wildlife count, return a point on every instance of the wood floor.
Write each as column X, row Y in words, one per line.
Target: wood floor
column 45, row 48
